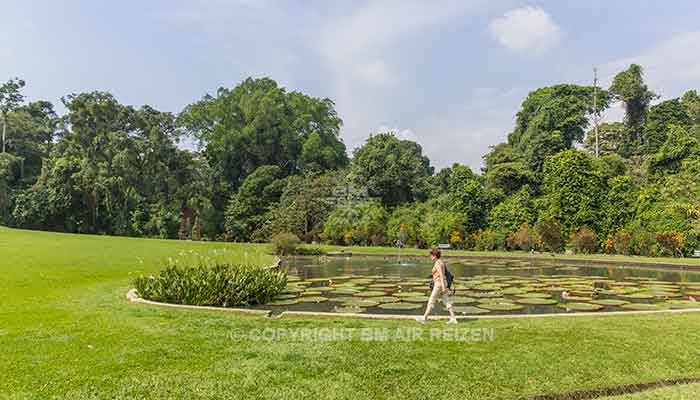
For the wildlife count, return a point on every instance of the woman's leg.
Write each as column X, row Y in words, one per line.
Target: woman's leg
column 446, row 302
column 431, row 302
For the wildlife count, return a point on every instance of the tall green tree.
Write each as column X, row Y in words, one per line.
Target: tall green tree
column 573, row 190
column 10, row 98
column 247, row 210
column 628, row 87
column 392, row 169
column 661, row 116
column 259, row 123
column 552, row 119
column 469, row 197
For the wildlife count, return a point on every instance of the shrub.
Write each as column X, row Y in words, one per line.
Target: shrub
column 285, row 243
column 488, row 240
column 309, row 251
column 585, row 240
column 225, row 285
column 525, row 238
column 622, row 242
column 671, row 243
column 644, row 243
column 550, row 235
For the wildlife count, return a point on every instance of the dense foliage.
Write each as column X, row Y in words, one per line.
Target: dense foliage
column 224, row 285
column 272, row 162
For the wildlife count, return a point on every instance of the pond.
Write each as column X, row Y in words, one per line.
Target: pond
column 382, row 285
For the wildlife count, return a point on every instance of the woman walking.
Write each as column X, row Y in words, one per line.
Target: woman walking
column 439, row 288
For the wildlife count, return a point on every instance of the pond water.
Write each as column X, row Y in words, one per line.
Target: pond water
column 381, row 285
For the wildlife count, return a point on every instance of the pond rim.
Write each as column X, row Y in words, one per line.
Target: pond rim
column 133, row 297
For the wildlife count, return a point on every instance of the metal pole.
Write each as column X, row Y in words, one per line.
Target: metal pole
column 595, row 111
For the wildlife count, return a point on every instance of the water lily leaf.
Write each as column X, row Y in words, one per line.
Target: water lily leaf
column 399, row 306
column 643, row 307
column 536, row 301
column 682, row 304
column 285, row 296
column 470, row 310
column 313, row 299
column 416, row 299
column 346, row 291
column 637, row 296
column 581, row 306
column 534, row 295
column 610, row 302
column 287, row 302
column 408, row 294
column 462, row 300
column 370, row 293
column 360, row 303
column 502, row 306
column 349, row 310
column 382, row 285
column 386, row 299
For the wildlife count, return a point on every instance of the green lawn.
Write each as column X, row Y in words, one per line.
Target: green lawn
column 612, row 258
column 66, row 331
column 681, row 392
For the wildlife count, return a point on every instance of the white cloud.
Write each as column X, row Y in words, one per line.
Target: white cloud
column 360, row 50
column 526, row 29
column 670, row 66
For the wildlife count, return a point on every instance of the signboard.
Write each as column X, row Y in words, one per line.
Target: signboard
column 696, row 254
column 443, row 246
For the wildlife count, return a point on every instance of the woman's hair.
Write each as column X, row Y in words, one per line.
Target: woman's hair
column 435, row 252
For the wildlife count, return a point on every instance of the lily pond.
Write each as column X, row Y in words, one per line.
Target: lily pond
column 380, row 285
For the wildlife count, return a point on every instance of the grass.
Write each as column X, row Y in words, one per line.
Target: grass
column 682, row 392
column 612, row 258
column 66, row 331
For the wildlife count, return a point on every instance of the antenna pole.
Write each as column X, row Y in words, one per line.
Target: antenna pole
column 595, row 111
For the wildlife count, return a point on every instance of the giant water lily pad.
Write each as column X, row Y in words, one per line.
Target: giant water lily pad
column 534, row 301
column 514, row 291
column 643, row 307
column 361, row 281
column 313, row 299
column 360, row 303
column 284, row 296
column 399, row 306
column 382, row 286
column 470, row 310
column 462, row 300
column 287, row 302
column 501, row 306
column 321, row 289
column 534, row 295
column 346, row 291
column 610, row 302
column 408, row 294
column 341, row 299
column 578, row 298
column 349, row 310
column 416, row 299
column 370, row 293
column 386, row 299
column 682, row 304
column 637, row 296
column 581, row 306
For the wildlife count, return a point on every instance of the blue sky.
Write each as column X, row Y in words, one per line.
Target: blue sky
column 448, row 74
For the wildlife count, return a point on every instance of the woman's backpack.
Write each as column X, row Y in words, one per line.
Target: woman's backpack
column 449, row 278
